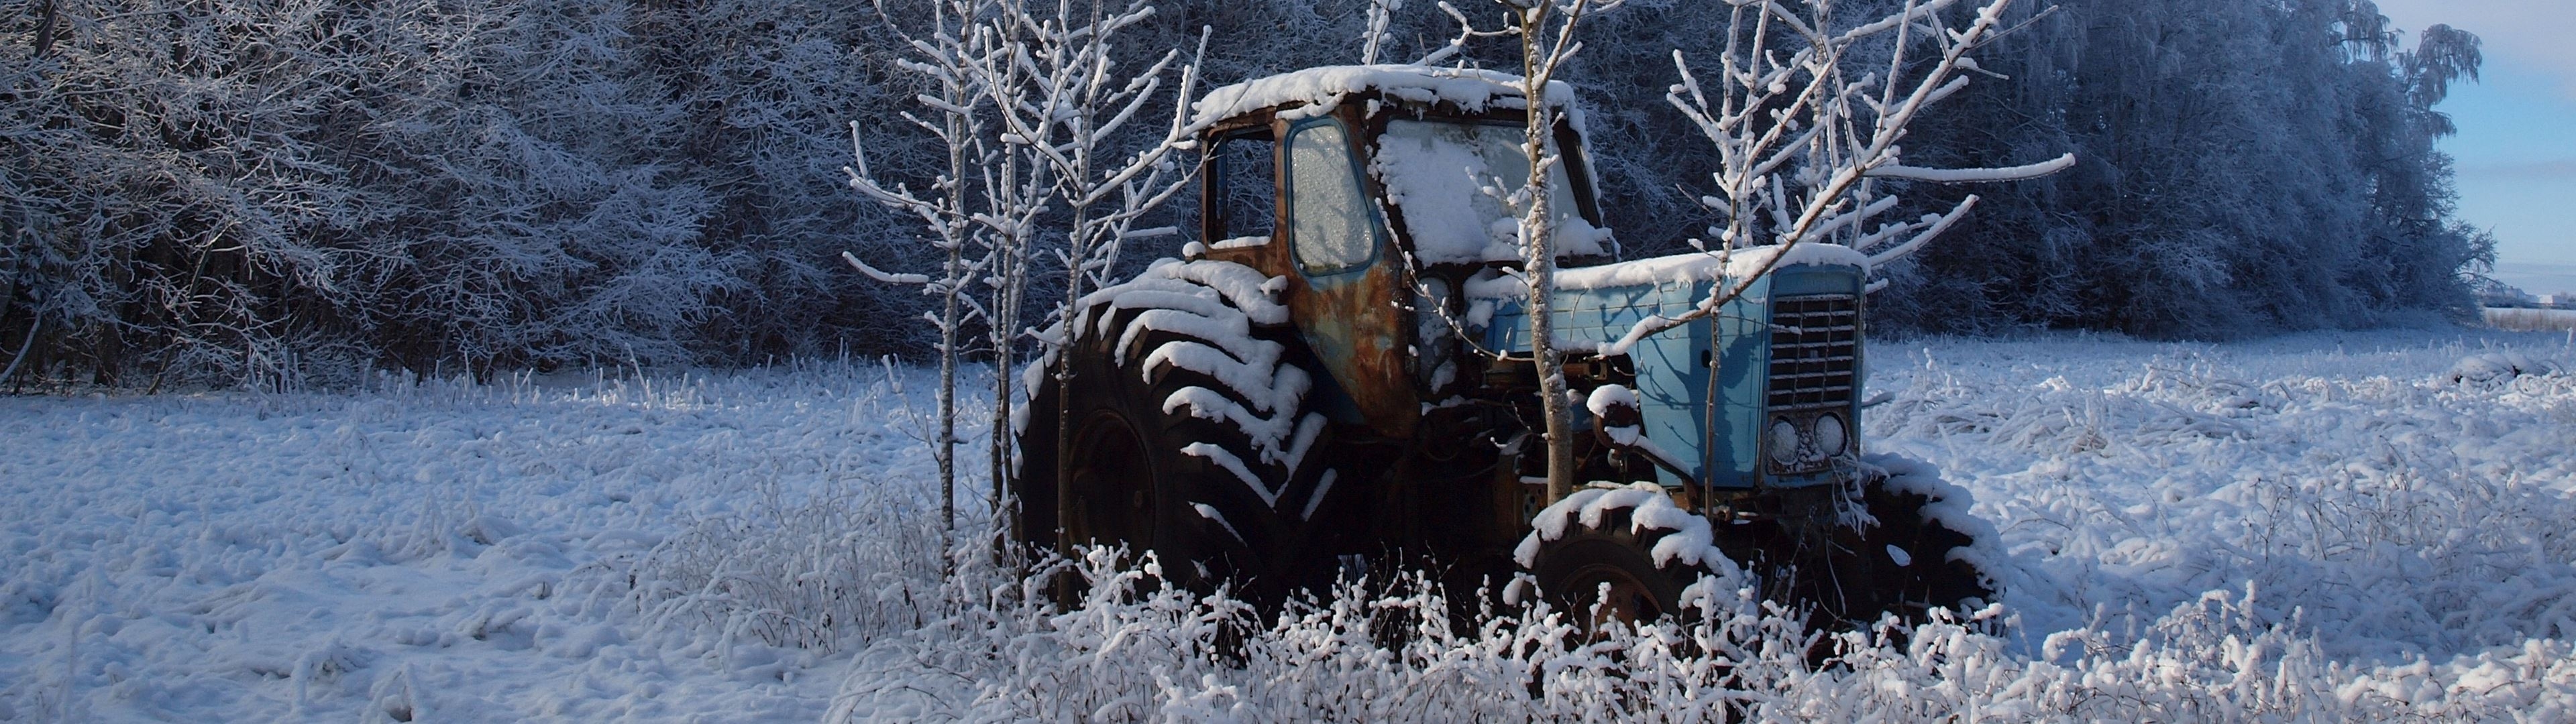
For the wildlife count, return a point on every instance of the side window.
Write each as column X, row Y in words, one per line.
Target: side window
column 1243, row 190
column 1329, row 220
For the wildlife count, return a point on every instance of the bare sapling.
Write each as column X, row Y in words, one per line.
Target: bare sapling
column 948, row 60
column 1017, row 192
column 1546, row 33
column 1066, row 109
column 1805, row 131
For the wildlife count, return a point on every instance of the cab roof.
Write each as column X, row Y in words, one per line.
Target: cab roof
column 1315, row 91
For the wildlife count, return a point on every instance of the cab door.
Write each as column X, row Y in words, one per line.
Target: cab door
column 1345, row 282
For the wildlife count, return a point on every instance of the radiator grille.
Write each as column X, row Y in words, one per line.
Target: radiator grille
column 1813, row 340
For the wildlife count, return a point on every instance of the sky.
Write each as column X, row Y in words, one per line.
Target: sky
column 2516, row 150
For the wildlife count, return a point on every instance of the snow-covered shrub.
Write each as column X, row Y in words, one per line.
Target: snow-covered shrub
column 2497, row 368
column 814, row 575
column 1131, row 650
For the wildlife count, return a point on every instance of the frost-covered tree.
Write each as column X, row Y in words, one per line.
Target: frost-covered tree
column 1545, row 30
column 1807, row 127
column 2246, row 167
column 953, row 59
column 1066, row 105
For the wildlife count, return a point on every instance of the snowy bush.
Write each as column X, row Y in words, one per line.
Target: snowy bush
column 817, row 575
column 2497, row 368
column 1132, row 651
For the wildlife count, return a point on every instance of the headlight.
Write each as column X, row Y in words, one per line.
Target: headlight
column 1829, row 435
column 1784, row 442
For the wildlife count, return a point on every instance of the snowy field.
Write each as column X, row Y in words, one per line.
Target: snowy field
column 2322, row 527
column 2531, row 319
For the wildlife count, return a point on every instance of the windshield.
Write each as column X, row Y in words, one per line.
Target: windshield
column 1435, row 173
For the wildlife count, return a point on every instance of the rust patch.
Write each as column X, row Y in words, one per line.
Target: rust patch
column 1361, row 316
column 1355, row 313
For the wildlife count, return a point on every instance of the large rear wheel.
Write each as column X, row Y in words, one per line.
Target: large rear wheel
column 1189, row 428
column 1111, row 465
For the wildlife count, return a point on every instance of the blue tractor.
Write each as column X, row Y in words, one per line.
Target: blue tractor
column 1337, row 371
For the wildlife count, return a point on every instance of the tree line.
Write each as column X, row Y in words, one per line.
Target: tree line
column 300, row 191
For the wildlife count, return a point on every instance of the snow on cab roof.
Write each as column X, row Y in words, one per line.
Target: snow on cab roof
column 1320, row 89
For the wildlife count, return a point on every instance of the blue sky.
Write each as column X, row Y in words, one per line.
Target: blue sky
column 2516, row 151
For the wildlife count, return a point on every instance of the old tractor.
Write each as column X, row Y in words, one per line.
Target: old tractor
column 1337, row 372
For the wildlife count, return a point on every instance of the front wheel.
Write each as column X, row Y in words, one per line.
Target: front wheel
column 1924, row 552
column 1625, row 554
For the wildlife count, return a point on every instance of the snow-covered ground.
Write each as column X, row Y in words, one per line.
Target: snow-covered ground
column 2324, row 526
column 440, row 551
column 2531, row 319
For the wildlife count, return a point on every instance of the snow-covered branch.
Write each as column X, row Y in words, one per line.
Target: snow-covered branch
column 1801, row 168
column 1831, row 138
column 1974, row 175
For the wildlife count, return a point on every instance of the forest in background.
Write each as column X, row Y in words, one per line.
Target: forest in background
column 292, row 192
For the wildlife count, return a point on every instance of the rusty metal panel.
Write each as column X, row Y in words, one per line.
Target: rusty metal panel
column 1350, row 315
column 1352, row 322
column 1350, row 318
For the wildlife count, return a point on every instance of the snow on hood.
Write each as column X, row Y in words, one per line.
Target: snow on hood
column 1690, row 267
column 1701, row 266
column 1323, row 88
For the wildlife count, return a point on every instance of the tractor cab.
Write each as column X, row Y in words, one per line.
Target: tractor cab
column 1377, row 192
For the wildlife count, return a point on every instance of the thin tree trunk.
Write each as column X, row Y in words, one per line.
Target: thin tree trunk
column 1010, row 267
column 947, row 450
column 1013, row 271
column 952, row 278
column 1064, row 377
column 1540, row 264
column 33, row 327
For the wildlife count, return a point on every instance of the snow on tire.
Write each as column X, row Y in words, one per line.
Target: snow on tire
column 1924, row 549
column 1629, row 549
column 1192, row 359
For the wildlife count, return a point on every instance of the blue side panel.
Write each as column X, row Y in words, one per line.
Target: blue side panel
column 1735, row 449
column 1673, row 369
column 1672, row 378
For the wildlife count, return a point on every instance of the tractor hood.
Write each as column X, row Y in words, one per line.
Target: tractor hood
column 1596, row 306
